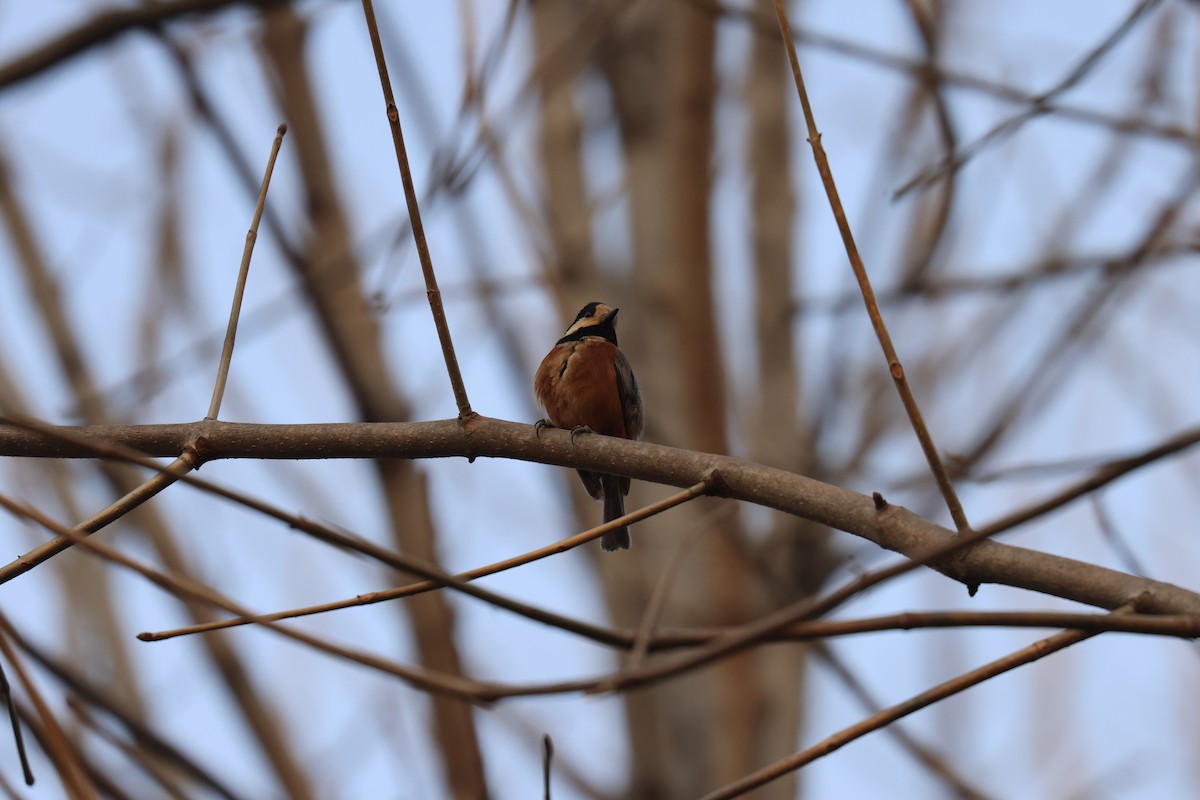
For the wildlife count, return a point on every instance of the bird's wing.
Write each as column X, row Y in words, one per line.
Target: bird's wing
column 631, row 398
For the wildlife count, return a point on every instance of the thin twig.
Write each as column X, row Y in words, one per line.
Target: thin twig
column 64, row 755
column 935, row 763
column 189, row 458
column 658, row 601
column 1026, row 655
column 1104, row 475
column 864, row 284
column 164, row 778
column 168, row 475
column 548, row 751
column 18, row 740
column 239, row 290
column 77, row 679
column 190, row 589
column 411, row 589
column 414, row 214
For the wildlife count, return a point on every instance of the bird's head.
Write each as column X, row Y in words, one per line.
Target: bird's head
column 594, row 319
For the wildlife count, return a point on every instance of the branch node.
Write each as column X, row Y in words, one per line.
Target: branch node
column 194, row 451
column 714, row 483
column 880, row 502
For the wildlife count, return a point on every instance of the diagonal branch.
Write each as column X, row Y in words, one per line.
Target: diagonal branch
column 1026, row 655
column 420, row 587
column 105, row 26
column 414, row 215
column 864, row 284
column 243, row 273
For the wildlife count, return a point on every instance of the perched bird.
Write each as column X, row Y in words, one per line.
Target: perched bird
column 585, row 384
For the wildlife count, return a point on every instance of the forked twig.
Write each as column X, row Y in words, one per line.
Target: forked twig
column 190, row 458
column 864, row 284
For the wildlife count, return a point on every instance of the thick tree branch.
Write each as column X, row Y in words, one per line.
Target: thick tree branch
column 893, row 527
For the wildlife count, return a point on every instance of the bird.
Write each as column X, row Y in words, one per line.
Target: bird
column 585, row 384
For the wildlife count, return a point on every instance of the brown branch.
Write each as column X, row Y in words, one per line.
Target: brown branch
column 894, row 528
column 79, row 682
column 397, row 561
column 189, row 589
column 105, row 26
column 932, row 761
column 414, row 215
column 430, row 585
column 58, row 747
column 18, row 739
column 864, row 284
column 243, row 273
column 1033, row 652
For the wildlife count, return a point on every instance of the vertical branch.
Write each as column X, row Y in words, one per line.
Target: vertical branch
column 332, row 278
column 864, row 284
column 414, row 214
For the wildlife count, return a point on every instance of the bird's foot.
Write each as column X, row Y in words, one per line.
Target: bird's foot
column 539, row 425
column 579, row 430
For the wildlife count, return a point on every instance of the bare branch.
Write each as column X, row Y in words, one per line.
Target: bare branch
column 414, row 215
column 1033, row 652
column 105, row 26
column 243, row 273
column 864, row 284
column 893, row 527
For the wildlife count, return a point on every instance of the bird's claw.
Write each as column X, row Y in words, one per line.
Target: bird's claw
column 539, row 425
column 579, row 430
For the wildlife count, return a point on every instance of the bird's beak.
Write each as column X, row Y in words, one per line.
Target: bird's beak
column 612, row 315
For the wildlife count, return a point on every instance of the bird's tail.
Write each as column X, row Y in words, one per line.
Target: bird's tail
column 614, row 506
